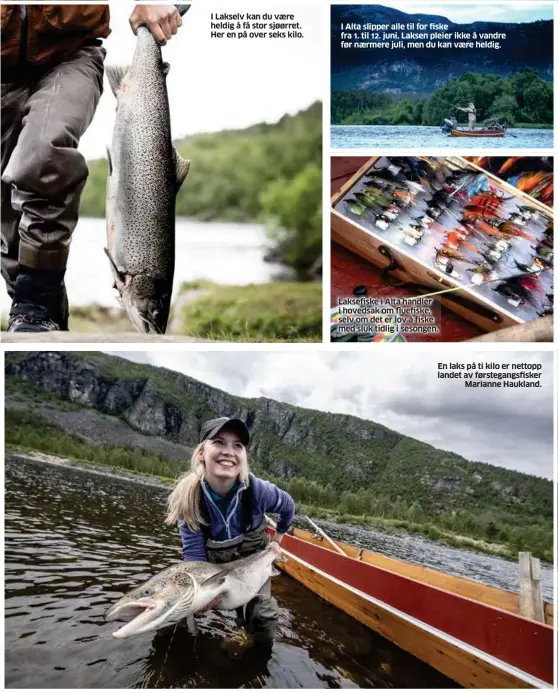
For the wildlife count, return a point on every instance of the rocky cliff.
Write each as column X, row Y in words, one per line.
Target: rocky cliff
column 288, row 441
column 177, row 411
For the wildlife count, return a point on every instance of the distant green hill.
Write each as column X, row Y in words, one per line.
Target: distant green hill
column 330, row 462
column 522, row 99
column 267, row 173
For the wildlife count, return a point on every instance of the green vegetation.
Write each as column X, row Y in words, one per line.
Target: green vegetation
column 16, row 388
column 275, row 312
column 278, row 312
column 88, row 318
column 488, row 531
column 266, row 173
column 524, row 99
column 29, row 431
column 338, row 466
column 484, row 532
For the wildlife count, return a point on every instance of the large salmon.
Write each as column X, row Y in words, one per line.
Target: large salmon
column 145, row 174
column 186, row 588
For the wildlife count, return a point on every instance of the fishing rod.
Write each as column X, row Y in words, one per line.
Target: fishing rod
column 448, row 102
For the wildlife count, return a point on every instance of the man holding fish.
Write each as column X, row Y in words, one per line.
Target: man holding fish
column 52, row 79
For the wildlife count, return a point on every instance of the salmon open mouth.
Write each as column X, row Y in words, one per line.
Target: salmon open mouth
column 140, row 616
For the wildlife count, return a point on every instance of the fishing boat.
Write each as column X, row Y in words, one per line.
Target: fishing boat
column 477, row 133
column 470, row 632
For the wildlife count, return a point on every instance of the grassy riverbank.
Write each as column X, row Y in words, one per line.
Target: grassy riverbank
column 274, row 312
column 429, row 531
column 105, row 465
column 27, row 431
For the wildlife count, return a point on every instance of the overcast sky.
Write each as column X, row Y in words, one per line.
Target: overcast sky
column 524, row 11
column 508, row 427
column 216, row 84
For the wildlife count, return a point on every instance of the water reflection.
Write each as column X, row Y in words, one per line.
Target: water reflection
column 75, row 542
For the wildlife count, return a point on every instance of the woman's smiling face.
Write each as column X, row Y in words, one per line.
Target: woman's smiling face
column 224, row 455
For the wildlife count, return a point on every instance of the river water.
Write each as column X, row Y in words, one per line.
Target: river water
column 76, row 541
column 223, row 253
column 490, row 570
column 389, row 137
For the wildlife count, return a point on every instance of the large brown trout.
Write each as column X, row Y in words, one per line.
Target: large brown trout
column 145, row 174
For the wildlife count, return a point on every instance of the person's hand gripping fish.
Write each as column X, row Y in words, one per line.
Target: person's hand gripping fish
column 145, row 174
column 162, row 21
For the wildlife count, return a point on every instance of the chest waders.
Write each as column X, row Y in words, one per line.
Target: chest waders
column 260, row 616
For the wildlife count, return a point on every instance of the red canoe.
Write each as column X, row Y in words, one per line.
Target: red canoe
column 470, row 632
column 478, row 133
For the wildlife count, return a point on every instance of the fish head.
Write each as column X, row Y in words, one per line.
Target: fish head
column 147, row 303
column 163, row 600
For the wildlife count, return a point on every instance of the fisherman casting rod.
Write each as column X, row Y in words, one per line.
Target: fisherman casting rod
column 454, row 106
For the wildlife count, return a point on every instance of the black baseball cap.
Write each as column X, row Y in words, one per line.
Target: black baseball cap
column 211, row 428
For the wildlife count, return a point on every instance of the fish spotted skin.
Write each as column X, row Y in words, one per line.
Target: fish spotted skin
column 145, row 174
column 186, row 588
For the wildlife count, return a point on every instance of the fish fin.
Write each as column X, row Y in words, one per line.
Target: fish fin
column 109, row 157
column 182, row 167
column 119, row 278
column 192, row 625
column 115, row 75
column 217, row 579
column 165, row 67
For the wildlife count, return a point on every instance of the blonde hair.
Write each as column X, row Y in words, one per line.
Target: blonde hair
column 183, row 502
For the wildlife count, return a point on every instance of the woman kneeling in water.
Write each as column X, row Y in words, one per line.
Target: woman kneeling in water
column 220, row 509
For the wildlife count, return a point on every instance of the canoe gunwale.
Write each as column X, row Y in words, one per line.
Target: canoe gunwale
column 397, row 606
column 525, row 677
column 495, row 596
column 477, row 133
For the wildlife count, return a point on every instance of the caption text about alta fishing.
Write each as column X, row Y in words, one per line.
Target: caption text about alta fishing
column 492, row 374
column 247, row 25
column 389, row 315
column 416, row 35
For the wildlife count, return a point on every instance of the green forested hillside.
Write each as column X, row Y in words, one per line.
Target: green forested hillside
column 524, row 99
column 335, row 464
column 267, row 173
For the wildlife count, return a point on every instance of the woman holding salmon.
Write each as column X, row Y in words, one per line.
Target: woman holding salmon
column 220, row 509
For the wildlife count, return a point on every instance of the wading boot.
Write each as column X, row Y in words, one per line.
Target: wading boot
column 40, row 303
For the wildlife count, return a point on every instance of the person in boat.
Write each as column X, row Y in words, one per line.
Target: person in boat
column 220, row 508
column 495, row 125
column 52, row 80
column 449, row 124
column 471, row 114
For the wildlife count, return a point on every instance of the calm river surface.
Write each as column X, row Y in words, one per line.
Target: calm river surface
column 412, row 136
column 76, row 541
column 219, row 252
